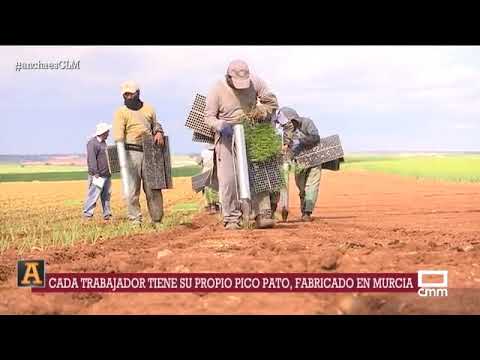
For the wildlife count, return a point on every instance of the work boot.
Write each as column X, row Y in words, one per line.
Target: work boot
column 232, row 226
column 306, row 217
column 264, row 222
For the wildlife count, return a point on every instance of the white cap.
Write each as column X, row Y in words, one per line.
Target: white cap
column 102, row 128
column 130, row 87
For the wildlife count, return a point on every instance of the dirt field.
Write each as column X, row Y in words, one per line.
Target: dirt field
column 365, row 222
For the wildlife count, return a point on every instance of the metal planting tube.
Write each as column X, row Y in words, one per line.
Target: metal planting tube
column 284, row 191
column 122, row 159
column 241, row 163
column 285, row 188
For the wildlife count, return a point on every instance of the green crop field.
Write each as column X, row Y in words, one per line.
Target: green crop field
column 13, row 173
column 182, row 165
column 449, row 167
column 457, row 168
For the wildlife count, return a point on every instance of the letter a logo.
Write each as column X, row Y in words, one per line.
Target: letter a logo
column 31, row 273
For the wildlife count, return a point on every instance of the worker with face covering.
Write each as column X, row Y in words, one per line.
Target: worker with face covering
column 131, row 121
column 228, row 100
column 300, row 133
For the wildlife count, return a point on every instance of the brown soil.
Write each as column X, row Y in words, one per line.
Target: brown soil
column 364, row 222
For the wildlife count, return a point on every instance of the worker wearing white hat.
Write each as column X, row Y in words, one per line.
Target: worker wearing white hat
column 99, row 177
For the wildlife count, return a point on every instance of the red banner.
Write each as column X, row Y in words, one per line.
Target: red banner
column 229, row 282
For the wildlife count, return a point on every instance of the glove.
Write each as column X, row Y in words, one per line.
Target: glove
column 296, row 146
column 225, row 129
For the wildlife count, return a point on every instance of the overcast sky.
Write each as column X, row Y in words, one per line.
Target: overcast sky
column 411, row 98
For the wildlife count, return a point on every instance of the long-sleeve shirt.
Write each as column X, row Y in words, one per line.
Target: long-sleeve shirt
column 227, row 104
column 128, row 127
column 97, row 158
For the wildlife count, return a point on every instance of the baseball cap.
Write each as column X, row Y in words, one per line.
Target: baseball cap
column 238, row 70
column 129, row 87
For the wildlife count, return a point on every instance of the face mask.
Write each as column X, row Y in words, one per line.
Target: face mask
column 134, row 104
column 229, row 81
column 281, row 119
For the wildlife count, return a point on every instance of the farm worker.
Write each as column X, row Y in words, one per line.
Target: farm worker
column 99, row 177
column 301, row 133
column 211, row 195
column 228, row 100
column 129, row 126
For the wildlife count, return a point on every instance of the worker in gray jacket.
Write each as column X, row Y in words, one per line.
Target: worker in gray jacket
column 300, row 133
column 228, row 101
column 99, row 177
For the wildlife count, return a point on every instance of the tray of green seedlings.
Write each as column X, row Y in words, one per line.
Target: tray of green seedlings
column 261, row 140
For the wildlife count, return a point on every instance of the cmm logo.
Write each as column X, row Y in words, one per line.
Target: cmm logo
column 31, row 273
column 432, row 288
